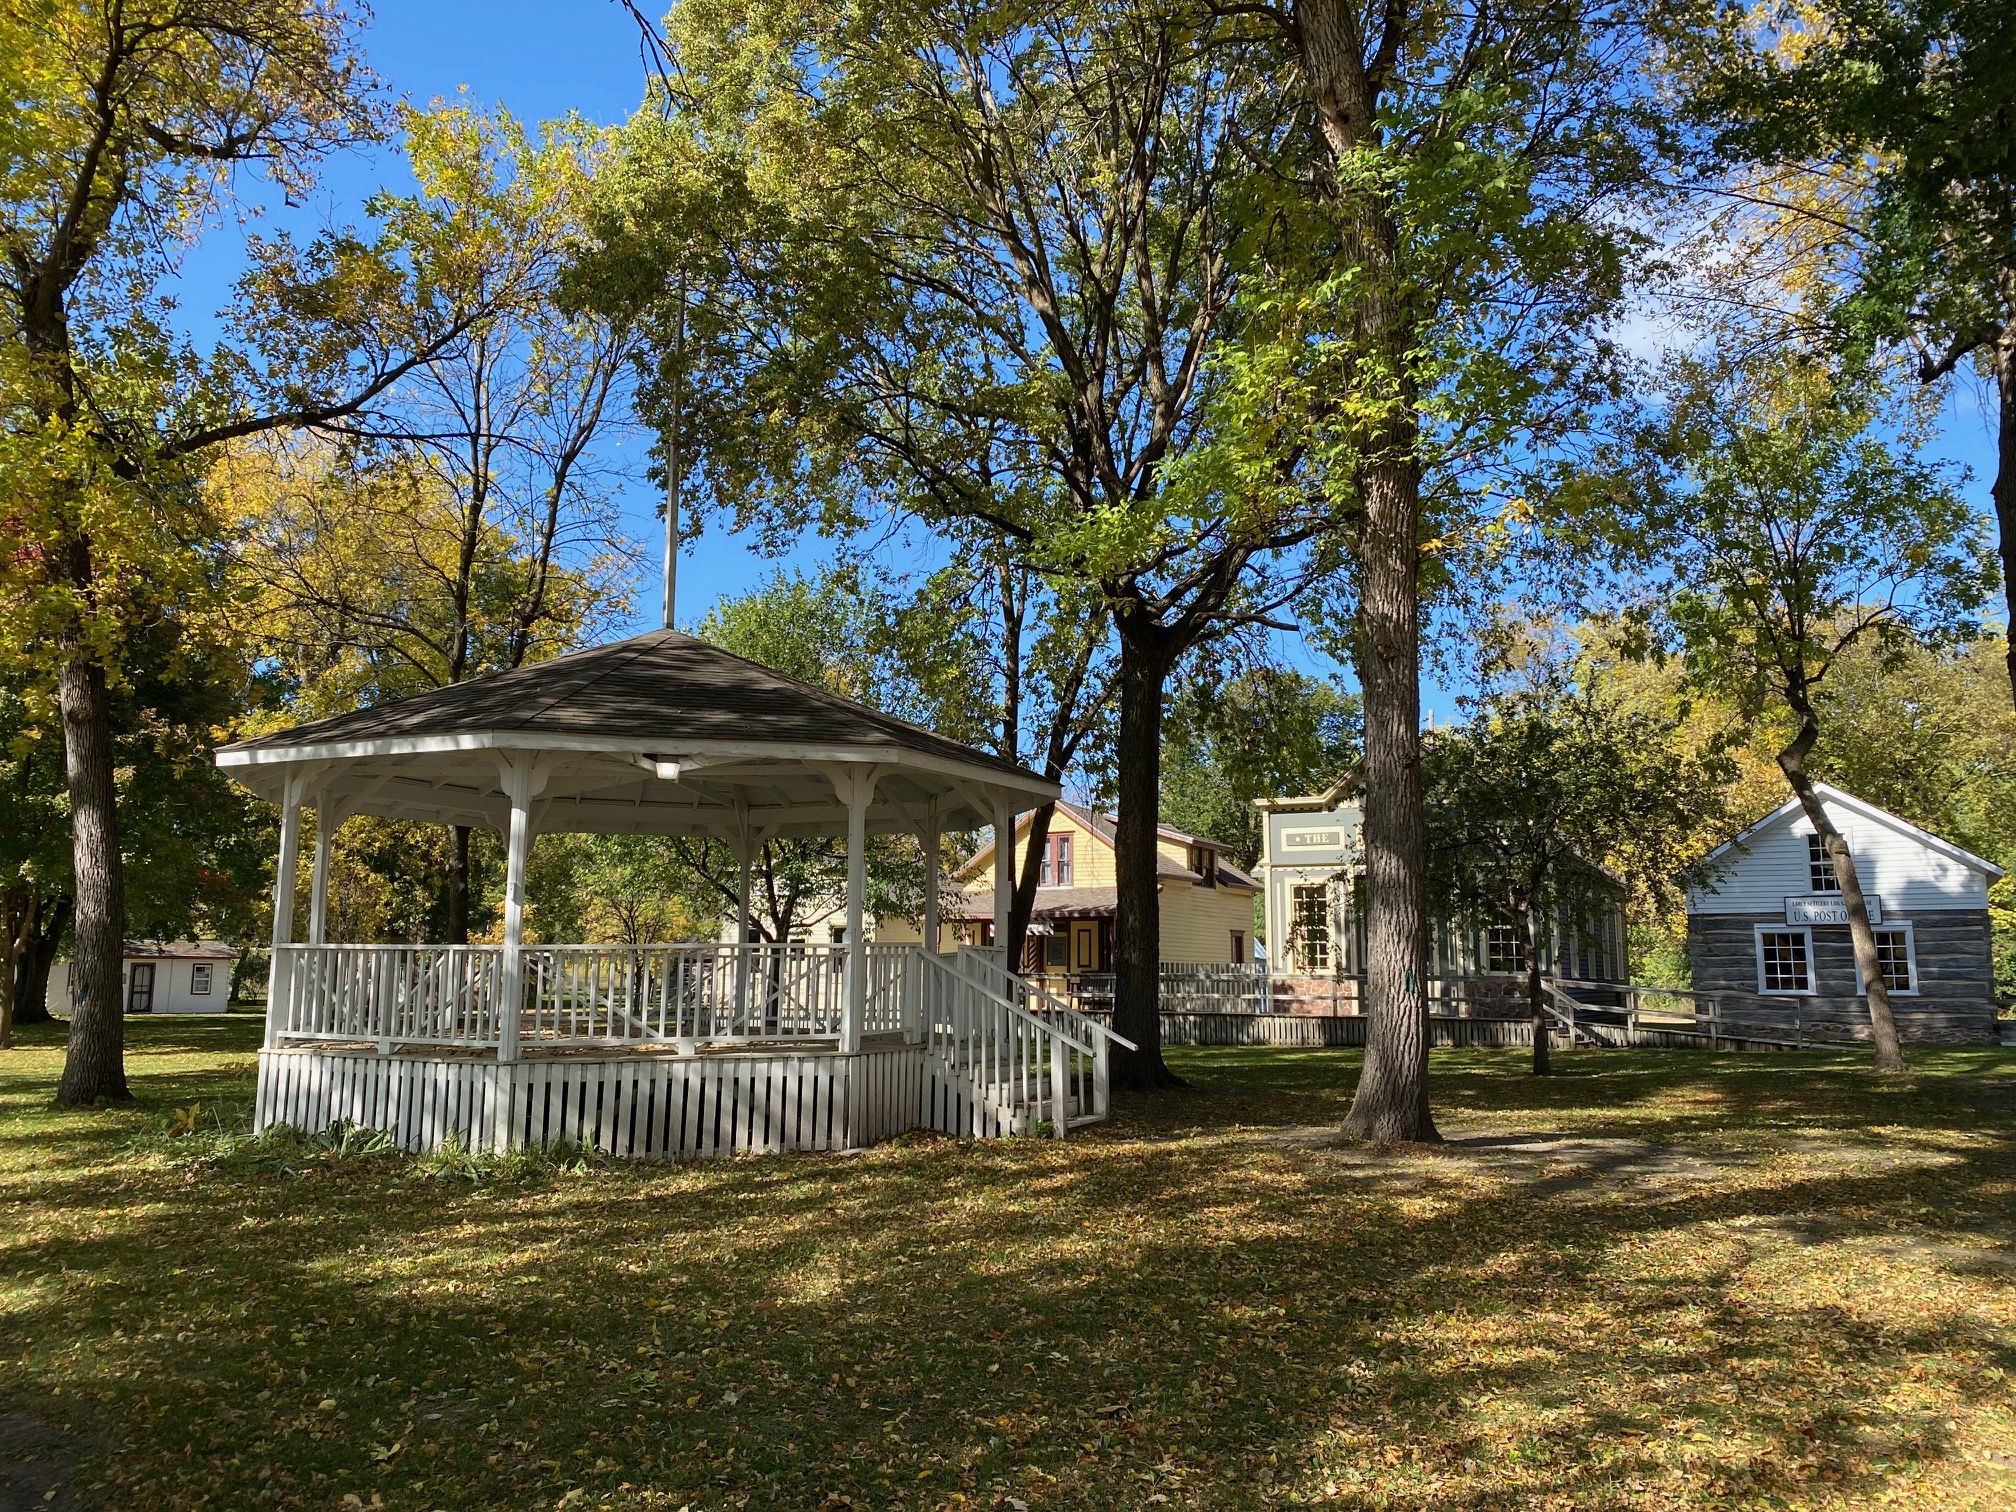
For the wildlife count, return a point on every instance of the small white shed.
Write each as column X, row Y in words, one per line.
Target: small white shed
column 166, row 976
column 1772, row 924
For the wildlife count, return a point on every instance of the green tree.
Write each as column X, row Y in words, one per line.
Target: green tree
column 1878, row 138
column 970, row 263
column 1261, row 732
column 1544, row 799
column 122, row 127
column 465, row 526
column 1426, row 340
column 615, row 889
column 197, row 844
column 1029, row 669
column 1787, row 531
column 1928, row 732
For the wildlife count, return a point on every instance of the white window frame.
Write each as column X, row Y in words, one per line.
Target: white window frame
column 1306, row 947
column 1758, row 932
column 1496, row 941
column 203, row 976
column 1903, row 927
column 1817, row 859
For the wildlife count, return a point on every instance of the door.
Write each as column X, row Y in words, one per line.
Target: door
column 140, row 988
column 1085, row 945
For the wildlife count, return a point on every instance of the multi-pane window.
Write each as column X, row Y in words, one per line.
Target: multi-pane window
column 199, row 979
column 1820, row 866
column 1783, row 961
column 1309, row 906
column 1893, row 960
column 1503, row 950
column 1053, row 868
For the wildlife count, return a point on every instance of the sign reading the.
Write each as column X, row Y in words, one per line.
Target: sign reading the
column 1310, row 838
column 1826, row 908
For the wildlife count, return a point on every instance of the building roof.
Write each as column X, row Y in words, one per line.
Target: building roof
column 1051, row 903
column 200, row 950
column 1829, row 794
column 1344, row 787
column 724, row 746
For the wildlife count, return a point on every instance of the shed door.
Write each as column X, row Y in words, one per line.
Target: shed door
column 140, row 988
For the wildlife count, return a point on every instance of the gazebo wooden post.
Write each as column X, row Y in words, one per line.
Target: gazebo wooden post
column 860, row 790
column 318, row 887
column 745, row 854
column 931, row 836
column 522, row 780
column 279, row 981
column 1004, row 875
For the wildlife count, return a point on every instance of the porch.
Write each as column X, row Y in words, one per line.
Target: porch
column 673, row 1049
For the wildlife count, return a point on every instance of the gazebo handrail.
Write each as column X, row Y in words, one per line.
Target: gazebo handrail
column 678, row 993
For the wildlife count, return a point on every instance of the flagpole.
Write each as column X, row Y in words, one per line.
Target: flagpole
column 672, row 455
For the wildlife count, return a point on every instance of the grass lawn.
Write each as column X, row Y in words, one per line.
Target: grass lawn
column 1658, row 1280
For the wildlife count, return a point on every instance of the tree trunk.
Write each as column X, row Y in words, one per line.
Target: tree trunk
column 31, row 973
column 1391, row 1103
column 1536, row 999
column 1882, row 1025
column 19, row 928
column 95, row 1066
column 2004, row 491
column 1024, row 902
column 1137, row 982
column 458, row 885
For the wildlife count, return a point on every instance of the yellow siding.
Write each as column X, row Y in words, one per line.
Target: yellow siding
column 1197, row 923
column 1091, row 857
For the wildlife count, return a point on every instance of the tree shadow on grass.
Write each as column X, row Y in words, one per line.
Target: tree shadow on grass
column 1220, row 1320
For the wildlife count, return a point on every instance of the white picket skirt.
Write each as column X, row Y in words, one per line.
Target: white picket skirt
column 667, row 1106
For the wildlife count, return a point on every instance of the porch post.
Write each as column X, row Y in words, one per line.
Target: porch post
column 744, row 935
column 318, row 888
column 521, row 783
column 860, row 788
column 930, row 836
column 1004, row 875
column 278, row 980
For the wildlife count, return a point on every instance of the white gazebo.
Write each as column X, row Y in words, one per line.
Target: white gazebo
column 667, row 1050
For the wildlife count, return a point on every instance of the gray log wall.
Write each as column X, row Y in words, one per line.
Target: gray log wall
column 1955, row 1002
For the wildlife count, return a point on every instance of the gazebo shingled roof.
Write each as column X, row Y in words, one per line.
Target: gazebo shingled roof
column 747, row 741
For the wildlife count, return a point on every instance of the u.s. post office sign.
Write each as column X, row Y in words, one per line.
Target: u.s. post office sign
column 1826, row 908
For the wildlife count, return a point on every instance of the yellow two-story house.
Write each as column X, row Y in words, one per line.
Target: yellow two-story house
column 1206, row 901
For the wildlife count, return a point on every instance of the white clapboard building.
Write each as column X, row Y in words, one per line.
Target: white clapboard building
column 1772, row 922
column 1311, row 876
column 165, row 976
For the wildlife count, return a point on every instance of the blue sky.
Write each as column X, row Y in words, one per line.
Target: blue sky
column 543, row 60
